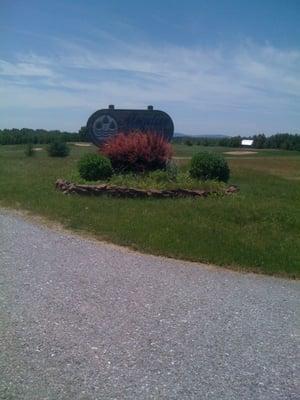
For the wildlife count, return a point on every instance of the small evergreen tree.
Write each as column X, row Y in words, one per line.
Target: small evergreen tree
column 58, row 149
column 29, row 151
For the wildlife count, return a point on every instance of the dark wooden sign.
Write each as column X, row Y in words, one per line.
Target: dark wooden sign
column 105, row 123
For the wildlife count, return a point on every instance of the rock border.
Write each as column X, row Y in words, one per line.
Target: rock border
column 120, row 191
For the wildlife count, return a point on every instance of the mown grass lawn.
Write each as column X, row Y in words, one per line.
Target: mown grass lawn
column 257, row 229
column 182, row 150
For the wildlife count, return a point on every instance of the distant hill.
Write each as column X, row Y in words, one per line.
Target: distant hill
column 183, row 135
column 178, row 134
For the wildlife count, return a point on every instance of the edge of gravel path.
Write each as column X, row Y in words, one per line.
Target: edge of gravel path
column 46, row 223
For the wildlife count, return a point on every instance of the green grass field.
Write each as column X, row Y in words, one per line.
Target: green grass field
column 255, row 230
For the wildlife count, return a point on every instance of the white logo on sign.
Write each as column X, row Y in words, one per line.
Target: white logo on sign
column 105, row 126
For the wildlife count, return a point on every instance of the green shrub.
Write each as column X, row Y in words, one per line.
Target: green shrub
column 58, row 149
column 29, row 152
column 206, row 166
column 94, row 167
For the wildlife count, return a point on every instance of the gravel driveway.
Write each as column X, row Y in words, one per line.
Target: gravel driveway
column 86, row 320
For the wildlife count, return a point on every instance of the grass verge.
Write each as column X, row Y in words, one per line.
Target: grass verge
column 255, row 230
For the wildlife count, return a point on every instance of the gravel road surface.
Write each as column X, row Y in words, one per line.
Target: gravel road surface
column 87, row 320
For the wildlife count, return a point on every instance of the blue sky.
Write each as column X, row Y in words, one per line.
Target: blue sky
column 217, row 67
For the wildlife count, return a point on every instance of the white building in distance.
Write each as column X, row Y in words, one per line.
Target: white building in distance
column 247, row 142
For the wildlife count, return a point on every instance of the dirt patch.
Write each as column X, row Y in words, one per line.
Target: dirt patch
column 82, row 144
column 37, row 148
column 240, row 153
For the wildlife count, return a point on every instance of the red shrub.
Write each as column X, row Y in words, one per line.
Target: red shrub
column 137, row 152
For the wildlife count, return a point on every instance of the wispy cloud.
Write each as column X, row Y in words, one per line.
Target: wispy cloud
column 247, row 78
column 24, row 69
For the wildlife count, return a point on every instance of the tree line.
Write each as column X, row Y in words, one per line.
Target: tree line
column 283, row 141
column 40, row 136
